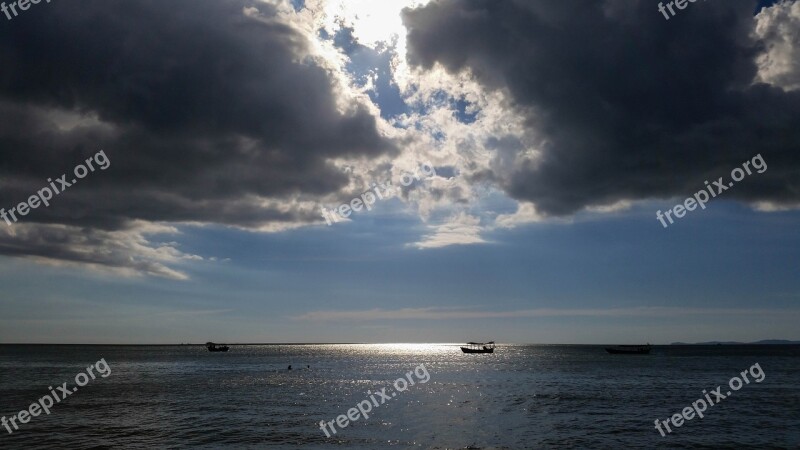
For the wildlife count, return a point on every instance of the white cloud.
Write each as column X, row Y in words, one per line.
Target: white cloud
column 775, row 207
column 460, row 229
column 125, row 252
column 779, row 28
column 526, row 213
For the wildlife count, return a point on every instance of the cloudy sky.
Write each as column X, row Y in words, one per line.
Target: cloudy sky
column 556, row 129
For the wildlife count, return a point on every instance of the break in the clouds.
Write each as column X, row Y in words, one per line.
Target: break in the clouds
column 621, row 105
column 211, row 111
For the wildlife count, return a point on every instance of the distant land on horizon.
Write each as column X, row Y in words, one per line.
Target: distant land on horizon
column 763, row 342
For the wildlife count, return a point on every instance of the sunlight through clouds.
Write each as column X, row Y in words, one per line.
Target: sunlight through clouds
column 450, row 121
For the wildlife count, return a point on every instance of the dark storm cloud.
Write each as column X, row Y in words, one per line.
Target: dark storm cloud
column 203, row 110
column 623, row 103
column 197, row 106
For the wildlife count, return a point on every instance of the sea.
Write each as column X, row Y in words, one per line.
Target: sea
column 520, row 397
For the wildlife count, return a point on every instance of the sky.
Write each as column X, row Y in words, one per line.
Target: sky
column 519, row 159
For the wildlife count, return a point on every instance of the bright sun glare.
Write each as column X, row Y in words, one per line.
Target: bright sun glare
column 373, row 21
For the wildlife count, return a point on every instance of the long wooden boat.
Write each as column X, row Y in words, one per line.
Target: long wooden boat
column 212, row 347
column 479, row 347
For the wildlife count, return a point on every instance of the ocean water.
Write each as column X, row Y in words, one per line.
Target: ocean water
column 523, row 396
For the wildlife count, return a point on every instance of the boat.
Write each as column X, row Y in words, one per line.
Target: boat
column 212, row 347
column 629, row 349
column 478, row 347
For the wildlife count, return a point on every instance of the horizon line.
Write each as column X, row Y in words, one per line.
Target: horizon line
column 676, row 343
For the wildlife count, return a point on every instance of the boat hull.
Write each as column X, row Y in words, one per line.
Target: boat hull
column 472, row 350
column 212, row 347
